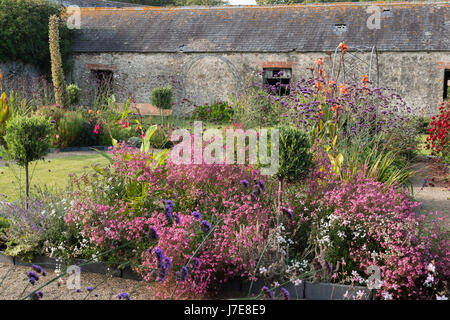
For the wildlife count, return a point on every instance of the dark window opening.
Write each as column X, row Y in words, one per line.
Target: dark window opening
column 277, row 81
column 447, row 84
column 386, row 13
column 104, row 84
column 340, row 28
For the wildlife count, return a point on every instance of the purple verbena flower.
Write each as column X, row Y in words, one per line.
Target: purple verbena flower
column 123, row 295
column 268, row 292
column 37, row 295
column 182, row 274
column 197, row 215
column 285, row 294
column 244, row 182
column 206, row 227
column 196, row 263
column 168, row 213
column 152, row 233
column 37, row 268
column 288, row 212
column 32, row 277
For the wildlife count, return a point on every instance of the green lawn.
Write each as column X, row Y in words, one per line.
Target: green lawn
column 422, row 150
column 52, row 172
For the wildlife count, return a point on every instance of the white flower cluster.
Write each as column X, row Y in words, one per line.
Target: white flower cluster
column 324, row 233
column 359, row 233
column 430, row 278
column 357, row 278
column 386, row 295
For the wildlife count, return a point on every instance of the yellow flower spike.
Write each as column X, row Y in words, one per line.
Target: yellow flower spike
column 5, row 112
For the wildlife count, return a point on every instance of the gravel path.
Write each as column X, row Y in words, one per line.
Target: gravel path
column 435, row 198
column 106, row 287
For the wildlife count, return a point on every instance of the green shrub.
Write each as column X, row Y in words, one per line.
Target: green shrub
column 160, row 139
column 73, row 95
column 218, row 111
column 54, row 112
column 4, row 224
column 118, row 133
column 254, row 109
column 295, row 154
column 86, row 137
column 27, row 139
column 68, row 129
column 24, row 32
column 420, row 123
column 162, row 97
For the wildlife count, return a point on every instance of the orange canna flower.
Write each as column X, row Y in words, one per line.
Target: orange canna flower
column 319, row 62
column 318, row 85
column 91, row 111
column 98, row 111
column 336, row 107
column 344, row 89
column 343, row 47
column 321, row 73
column 365, row 79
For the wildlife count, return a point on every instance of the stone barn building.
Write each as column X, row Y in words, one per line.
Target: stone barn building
column 210, row 53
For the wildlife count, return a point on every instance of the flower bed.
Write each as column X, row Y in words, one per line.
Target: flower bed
column 336, row 211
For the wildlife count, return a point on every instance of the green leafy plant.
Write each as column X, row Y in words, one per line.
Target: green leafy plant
column 4, row 228
column 68, row 129
column 253, row 109
column 27, row 139
column 295, row 154
column 217, row 111
column 160, row 139
column 73, row 95
column 295, row 158
column 162, row 98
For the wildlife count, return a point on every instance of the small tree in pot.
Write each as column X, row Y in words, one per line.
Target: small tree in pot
column 162, row 98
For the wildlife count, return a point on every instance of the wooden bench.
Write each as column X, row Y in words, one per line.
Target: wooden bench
column 147, row 109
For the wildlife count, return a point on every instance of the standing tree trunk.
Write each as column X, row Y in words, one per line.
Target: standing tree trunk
column 55, row 57
column 27, row 186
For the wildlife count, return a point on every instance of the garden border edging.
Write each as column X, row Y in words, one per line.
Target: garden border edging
column 51, row 263
column 306, row 290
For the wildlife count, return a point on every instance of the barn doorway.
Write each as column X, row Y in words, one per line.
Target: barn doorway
column 446, row 84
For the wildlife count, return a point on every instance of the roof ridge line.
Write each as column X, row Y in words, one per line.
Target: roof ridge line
column 295, row 5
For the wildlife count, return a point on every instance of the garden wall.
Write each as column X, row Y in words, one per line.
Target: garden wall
column 202, row 78
column 17, row 69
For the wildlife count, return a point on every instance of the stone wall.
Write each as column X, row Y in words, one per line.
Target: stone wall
column 202, row 78
column 18, row 69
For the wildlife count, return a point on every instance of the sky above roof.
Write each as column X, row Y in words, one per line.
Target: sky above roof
column 247, row 2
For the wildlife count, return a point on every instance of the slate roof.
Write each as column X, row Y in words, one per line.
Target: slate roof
column 423, row 26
